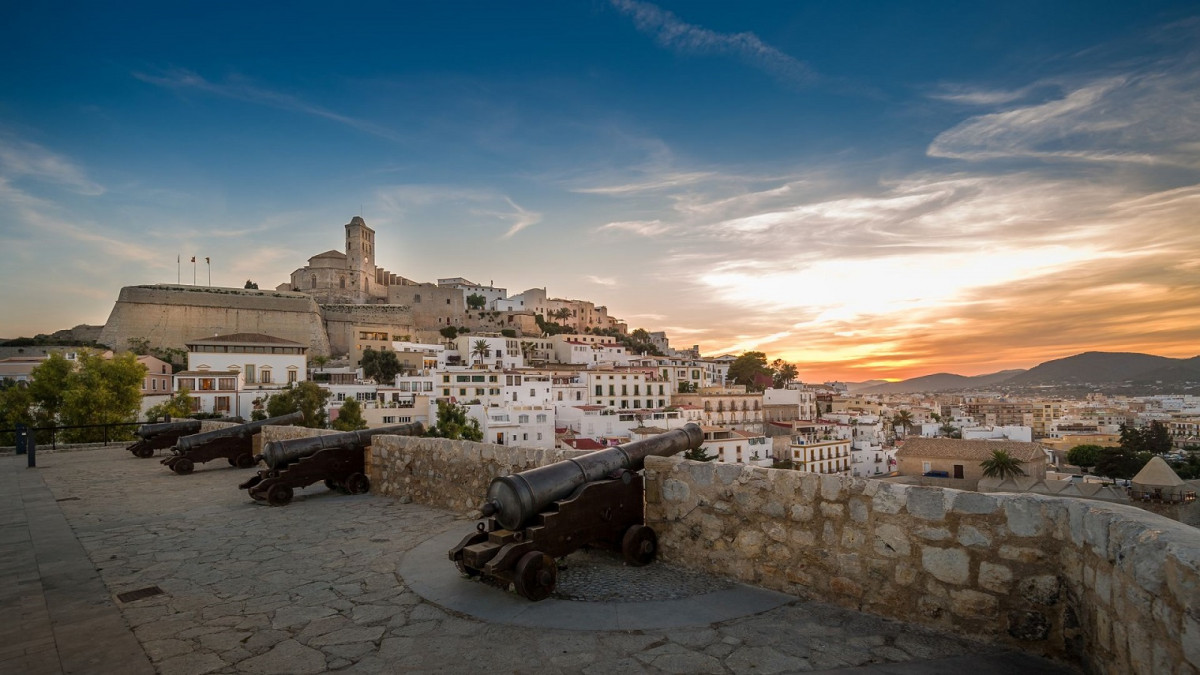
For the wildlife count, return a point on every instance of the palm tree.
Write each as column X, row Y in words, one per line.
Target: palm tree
column 480, row 349
column 1002, row 465
column 903, row 419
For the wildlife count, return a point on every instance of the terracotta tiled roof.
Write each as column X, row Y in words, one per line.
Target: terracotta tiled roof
column 954, row 448
column 584, row 444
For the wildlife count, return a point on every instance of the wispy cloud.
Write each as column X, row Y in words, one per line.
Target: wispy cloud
column 673, row 33
column 1150, row 117
column 603, row 281
column 476, row 203
column 650, row 184
column 644, row 228
column 963, row 95
column 23, row 159
column 242, row 90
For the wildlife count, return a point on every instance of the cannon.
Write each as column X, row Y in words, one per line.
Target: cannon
column 536, row 516
column 235, row 444
column 338, row 459
column 162, row 435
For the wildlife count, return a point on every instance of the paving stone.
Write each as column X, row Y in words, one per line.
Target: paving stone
column 286, row 658
column 192, row 664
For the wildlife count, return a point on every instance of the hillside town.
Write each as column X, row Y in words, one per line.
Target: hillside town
column 529, row 370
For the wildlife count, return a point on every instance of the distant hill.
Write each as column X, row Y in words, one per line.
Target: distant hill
column 1098, row 369
column 1111, row 368
column 854, row 387
column 943, row 382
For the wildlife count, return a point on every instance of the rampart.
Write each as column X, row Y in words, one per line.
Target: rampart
column 341, row 320
column 169, row 316
column 1107, row 586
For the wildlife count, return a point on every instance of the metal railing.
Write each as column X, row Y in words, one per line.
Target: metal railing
column 55, row 429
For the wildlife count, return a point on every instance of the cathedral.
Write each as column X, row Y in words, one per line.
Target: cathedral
column 349, row 278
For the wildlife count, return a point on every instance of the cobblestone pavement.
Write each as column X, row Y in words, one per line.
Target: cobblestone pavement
column 314, row 586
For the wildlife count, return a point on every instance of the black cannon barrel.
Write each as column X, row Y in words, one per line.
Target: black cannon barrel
column 248, row 429
column 148, row 431
column 278, row 454
column 516, row 498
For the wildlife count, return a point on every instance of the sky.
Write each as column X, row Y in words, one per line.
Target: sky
column 868, row 190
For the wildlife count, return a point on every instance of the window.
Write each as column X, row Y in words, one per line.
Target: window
column 479, row 391
column 445, row 392
column 249, row 373
column 445, row 378
column 462, row 392
column 265, row 376
column 522, row 419
column 541, row 420
column 599, row 390
column 227, row 383
column 221, row 404
column 389, row 420
column 292, row 376
column 207, row 384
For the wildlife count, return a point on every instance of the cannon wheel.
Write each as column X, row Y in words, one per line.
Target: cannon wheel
column 536, row 575
column 144, row 452
column 182, row 466
column 244, row 461
column 357, row 484
column 639, row 545
column 279, row 495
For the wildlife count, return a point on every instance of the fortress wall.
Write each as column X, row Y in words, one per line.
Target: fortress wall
column 1108, row 585
column 168, row 316
column 341, row 320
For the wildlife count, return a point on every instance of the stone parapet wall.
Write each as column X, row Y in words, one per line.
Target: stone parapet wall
column 448, row 474
column 1109, row 586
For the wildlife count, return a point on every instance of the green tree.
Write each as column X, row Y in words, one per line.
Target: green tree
column 1084, row 456
column 16, row 407
column 50, row 381
column 750, row 369
column 904, row 420
column 1131, row 439
column 508, row 332
column 1156, row 438
column 307, row 397
column 1002, row 465
column 102, row 391
column 949, row 430
column 176, row 407
column 453, row 423
column 381, row 366
column 480, row 349
column 700, row 454
column 251, row 284
column 350, row 417
column 449, row 332
column 1121, row 462
column 782, row 373
column 476, row 301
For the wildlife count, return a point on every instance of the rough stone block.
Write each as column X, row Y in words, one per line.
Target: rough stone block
column 950, row 565
column 890, row 498
column 932, row 533
column 749, row 543
column 858, row 511
column 829, row 510
column 975, row 503
column 973, row 536
column 973, row 604
column 801, row 512
column 1042, row 589
column 891, row 541
column 699, row 473
column 674, row 490
column 995, row 578
column 831, row 487
column 927, row 503
column 1024, row 517
column 1021, row 553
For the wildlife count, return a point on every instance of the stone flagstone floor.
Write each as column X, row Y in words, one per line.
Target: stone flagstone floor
column 314, row 586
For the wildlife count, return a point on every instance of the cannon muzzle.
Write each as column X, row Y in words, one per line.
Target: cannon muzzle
column 242, row 430
column 278, row 454
column 516, row 498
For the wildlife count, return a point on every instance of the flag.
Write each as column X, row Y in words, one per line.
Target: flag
column 193, row 258
column 207, row 261
column 176, row 258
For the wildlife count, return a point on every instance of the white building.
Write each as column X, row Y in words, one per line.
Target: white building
column 803, row 398
column 260, row 365
column 493, row 351
column 626, row 389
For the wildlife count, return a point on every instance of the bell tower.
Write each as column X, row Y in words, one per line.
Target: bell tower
column 360, row 256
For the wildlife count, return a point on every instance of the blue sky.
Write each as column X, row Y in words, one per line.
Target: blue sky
column 868, row 189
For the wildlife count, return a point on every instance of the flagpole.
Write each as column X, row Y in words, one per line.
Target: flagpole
column 193, row 270
column 208, row 263
column 178, row 271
